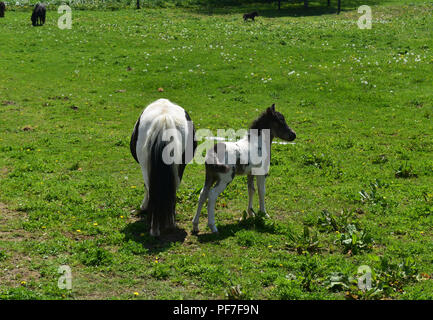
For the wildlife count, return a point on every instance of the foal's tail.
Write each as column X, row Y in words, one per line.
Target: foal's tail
column 162, row 182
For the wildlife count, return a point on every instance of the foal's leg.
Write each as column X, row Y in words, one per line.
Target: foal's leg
column 251, row 191
column 261, row 188
column 204, row 193
column 213, row 195
column 203, row 197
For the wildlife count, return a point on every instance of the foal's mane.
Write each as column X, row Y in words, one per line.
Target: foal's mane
column 262, row 122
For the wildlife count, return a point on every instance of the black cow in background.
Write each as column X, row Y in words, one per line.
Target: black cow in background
column 38, row 15
column 2, row 9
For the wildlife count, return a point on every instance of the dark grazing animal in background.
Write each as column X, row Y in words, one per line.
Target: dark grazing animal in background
column 2, row 9
column 250, row 15
column 38, row 15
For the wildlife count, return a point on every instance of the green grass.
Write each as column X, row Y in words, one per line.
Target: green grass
column 355, row 189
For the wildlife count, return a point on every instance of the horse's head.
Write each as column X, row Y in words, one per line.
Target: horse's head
column 34, row 16
column 278, row 125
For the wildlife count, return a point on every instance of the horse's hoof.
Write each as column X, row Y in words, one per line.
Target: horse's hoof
column 154, row 233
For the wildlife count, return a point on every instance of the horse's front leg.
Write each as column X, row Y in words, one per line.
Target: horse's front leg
column 261, row 188
column 251, row 191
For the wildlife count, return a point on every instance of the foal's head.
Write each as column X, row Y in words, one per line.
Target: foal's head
column 275, row 121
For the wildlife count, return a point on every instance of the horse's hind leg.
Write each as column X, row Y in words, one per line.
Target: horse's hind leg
column 154, row 228
column 145, row 201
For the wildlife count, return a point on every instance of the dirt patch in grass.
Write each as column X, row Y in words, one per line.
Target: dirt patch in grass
column 10, row 221
column 7, row 214
column 10, row 229
column 3, row 173
column 7, row 103
column 16, row 271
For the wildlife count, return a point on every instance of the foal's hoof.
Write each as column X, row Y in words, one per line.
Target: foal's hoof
column 194, row 229
column 213, row 228
column 251, row 213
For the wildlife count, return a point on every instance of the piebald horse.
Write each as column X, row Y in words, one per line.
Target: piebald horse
column 220, row 170
column 163, row 142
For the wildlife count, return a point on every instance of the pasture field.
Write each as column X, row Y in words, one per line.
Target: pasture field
column 355, row 190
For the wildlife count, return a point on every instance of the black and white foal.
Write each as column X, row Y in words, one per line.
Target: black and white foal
column 226, row 160
column 163, row 142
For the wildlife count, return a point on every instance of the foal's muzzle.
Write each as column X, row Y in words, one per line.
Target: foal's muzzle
column 290, row 136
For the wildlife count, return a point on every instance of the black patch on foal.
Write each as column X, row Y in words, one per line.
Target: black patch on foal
column 233, row 173
column 240, row 167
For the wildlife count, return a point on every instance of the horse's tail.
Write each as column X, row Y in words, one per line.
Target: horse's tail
column 162, row 180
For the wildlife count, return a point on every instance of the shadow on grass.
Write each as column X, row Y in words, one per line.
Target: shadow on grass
column 258, row 224
column 138, row 231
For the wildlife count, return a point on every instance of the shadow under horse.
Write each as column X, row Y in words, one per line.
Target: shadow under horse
column 138, row 232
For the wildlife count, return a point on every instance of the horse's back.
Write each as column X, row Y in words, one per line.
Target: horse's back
column 159, row 115
column 163, row 107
